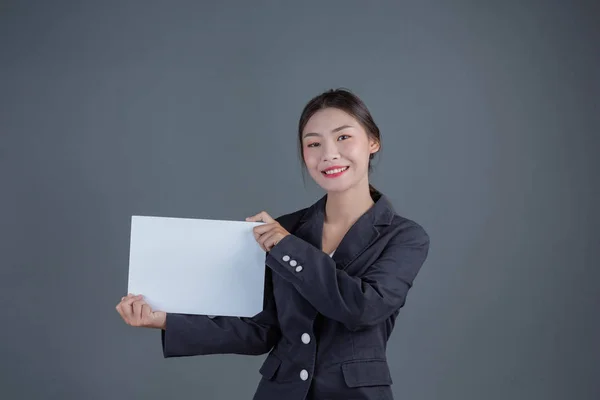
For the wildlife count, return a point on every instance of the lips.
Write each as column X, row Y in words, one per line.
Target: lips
column 335, row 171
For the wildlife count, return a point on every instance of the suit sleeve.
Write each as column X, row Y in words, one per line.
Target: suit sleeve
column 355, row 301
column 191, row 335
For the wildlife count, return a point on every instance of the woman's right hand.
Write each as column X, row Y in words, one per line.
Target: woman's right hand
column 136, row 312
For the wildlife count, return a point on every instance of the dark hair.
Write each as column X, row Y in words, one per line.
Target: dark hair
column 345, row 100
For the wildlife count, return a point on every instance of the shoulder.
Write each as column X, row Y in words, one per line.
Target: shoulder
column 406, row 231
column 399, row 228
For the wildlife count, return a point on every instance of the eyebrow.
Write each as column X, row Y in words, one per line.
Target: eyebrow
column 339, row 128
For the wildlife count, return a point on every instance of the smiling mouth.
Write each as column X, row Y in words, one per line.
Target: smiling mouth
column 334, row 172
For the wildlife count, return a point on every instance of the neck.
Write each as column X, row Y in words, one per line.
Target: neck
column 344, row 208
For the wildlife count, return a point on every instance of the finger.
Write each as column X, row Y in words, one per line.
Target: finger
column 146, row 313
column 129, row 299
column 266, row 240
column 120, row 304
column 123, row 304
column 255, row 233
column 267, row 218
column 132, row 297
column 272, row 242
column 262, row 216
column 119, row 308
column 260, row 232
column 256, row 218
column 125, row 311
column 260, row 240
column 261, row 229
column 137, row 311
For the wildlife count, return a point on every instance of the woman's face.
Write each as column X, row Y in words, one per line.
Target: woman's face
column 336, row 150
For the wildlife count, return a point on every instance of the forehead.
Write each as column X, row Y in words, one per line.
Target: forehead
column 324, row 121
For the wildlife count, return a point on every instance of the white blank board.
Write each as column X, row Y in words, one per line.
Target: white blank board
column 197, row 266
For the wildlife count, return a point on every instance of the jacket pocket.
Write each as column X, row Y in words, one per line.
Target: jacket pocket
column 366, row 373
column 270, row 366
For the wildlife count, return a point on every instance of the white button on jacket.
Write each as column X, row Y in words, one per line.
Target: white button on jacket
column 305, row 338
column 304, row 374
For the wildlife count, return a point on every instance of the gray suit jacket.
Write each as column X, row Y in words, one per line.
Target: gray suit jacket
column 326, row 320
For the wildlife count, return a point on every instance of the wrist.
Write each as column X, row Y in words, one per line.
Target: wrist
column 163, row 322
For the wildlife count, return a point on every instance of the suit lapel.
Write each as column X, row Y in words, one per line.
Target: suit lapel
column 359, row 237
column 310, row 227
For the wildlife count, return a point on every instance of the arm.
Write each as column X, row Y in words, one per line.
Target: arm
column 190, row 335
column 355, row 301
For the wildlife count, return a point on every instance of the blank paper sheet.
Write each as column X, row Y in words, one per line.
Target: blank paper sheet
column 197, row 266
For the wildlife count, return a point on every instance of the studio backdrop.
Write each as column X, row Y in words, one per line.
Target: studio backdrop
column 489, row 118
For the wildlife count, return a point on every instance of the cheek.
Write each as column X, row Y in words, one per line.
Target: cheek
column 358, row 154
column 311, row 159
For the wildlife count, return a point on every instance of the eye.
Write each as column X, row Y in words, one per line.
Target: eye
column 343, row 136
column 312, row 144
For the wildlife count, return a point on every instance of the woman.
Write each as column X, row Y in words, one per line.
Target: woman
column 338, row 273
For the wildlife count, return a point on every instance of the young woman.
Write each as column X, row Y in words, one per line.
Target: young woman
column 338, row 273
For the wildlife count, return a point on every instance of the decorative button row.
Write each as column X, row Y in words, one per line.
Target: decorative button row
column 293, row 263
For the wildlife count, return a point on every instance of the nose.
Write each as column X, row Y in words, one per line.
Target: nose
column 330, row 151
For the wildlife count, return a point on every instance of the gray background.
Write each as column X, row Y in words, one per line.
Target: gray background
column 490, row 121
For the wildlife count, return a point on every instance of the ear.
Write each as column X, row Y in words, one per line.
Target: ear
column 374, row 146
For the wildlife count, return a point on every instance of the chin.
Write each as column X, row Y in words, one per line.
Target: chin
column 335, row 187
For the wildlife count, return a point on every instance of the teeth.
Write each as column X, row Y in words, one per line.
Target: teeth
column 335, row 171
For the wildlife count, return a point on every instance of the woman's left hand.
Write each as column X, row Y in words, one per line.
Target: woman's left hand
column 268, row 234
